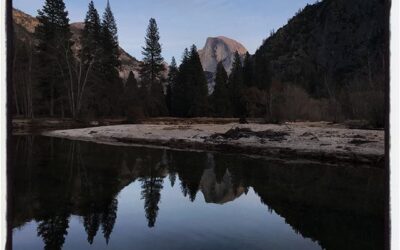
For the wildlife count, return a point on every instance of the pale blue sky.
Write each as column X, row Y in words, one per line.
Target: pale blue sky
column 186, row 22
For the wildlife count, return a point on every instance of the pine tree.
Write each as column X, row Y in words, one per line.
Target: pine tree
column 90, row 53
column 181, row 99
column 54, row 52
column 262, row 73
column 153, row 66
column 221, row 100
column 131, row 89
column 185, row 56
column 151, row 71
column 198, row 82
column 236, row 87
column 110, row 87
column 172, row 80
column 248, row 71
column 91, row 36
column 191, row 92
column 110, row 47
column 131, row 100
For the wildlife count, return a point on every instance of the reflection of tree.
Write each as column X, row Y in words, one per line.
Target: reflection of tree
column 220, row 170
column 193, row 189
column 108, row 218
column 190, row 170
column 172, row 178
column 236, row 171
column 155, row 165
column 170, row 165
column 190, row 188
column 49, row 174
column 151, row 193
column 246, row 190
column 184, row 189
column 53, row 231
column 91, row 223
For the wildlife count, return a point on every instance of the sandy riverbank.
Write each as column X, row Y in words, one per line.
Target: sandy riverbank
column 302, row 140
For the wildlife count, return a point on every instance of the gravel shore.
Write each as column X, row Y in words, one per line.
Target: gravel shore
column 302, row 140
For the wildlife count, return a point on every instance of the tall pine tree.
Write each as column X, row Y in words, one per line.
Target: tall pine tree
column 181, row 99
column 236, row 87
column 110, row 88
column 91, row 36
column 110, row 47
column 221, row 100
column 131, row 101
column 172, row 80
column 198, row 82
column 54, row 53
column 152, row 66
column 190, row 90
column 151, row 71
column 248, row 74
column 90, row 54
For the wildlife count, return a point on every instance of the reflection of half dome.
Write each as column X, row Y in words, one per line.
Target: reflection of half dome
column 218, row 193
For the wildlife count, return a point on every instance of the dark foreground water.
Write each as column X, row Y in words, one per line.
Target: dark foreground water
column 78, row 195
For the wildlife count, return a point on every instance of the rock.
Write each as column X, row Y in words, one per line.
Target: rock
column 219, row 49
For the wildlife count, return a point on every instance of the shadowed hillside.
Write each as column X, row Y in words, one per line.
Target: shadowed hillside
column 334, row 49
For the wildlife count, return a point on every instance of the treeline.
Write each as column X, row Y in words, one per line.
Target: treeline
column 54, row 77
column 323, row 65
column 187, row 91
column 330, row 62
column 50, row 78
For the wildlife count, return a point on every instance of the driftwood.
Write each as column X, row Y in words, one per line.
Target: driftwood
column 237, row 133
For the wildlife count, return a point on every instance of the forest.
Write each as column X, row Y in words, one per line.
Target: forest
column 329, row 62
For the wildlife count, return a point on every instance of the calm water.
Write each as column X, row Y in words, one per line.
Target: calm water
column 78, row 195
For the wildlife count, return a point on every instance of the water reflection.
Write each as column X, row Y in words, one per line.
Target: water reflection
column 337, row 207
column 53, row 230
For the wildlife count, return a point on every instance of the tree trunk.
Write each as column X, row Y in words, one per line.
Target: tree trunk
column 52, row 99
column 14, row 84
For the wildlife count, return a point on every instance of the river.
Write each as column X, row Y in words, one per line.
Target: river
column 79, row 195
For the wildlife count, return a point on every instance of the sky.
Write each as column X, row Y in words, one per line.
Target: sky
column 185, row 22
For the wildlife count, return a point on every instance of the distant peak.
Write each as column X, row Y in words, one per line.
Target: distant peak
column 232, row 44
column 219, row 49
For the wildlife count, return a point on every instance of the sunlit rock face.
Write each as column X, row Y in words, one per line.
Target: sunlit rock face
column 219, row 49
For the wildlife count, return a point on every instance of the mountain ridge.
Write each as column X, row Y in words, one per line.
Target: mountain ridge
column 29, row 23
